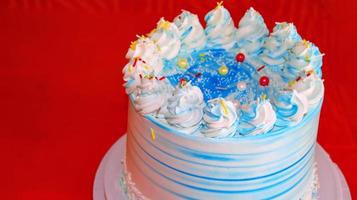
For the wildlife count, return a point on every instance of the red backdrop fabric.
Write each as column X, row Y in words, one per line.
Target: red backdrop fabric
column 62, row 103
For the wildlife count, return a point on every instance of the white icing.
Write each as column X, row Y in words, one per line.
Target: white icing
column 304, row 56
column 191, row 31
column 260, row 119
column 143, row 47
column 251, row 32
column 166, row 36
column 185, row 108
column 220, row 28
column 291, row 107
column 286, row 33
column 312, row 87
column 220, row 117
column 151, row 96
column 277, row 45
column 145, row 60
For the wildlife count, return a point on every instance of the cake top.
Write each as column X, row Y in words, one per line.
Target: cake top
column 223, row 81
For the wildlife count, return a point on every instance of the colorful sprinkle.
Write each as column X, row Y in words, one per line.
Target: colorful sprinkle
column 151, row 32
column 202, row 55
column 260, row 68
column 164, row 24
column 146, row 67
column 219, row 4
column 306, row 43
column 292, row 83
column 133, row 45
column 224, row 106
column 264, row 97
column 153, row 134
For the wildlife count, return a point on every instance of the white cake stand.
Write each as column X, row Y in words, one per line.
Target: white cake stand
column 333, row 185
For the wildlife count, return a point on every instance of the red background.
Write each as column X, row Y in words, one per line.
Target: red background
column 62, row 104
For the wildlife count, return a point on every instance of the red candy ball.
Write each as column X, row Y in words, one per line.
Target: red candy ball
column 264, row 81
column 240, row 57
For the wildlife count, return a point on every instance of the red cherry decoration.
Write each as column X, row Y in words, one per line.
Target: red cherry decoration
column 264, row 81
column 240, row 57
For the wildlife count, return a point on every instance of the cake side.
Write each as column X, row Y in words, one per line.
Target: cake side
column 173, row 166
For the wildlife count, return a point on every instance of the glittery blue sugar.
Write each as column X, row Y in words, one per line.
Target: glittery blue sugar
column 203, row 72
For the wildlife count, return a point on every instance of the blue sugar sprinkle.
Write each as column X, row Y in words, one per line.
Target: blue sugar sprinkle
column 206, row 63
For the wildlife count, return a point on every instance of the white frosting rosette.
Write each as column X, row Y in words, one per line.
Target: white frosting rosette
column 251, row 32
column 257, row 118
column 312, row 87
column 290, row 108
column 303, row 57
column 166, row 36
column 220, row 117
column 192, row 34
column 277, row 45
column 220, row 28
column 184, row 109
column 151, row 96
column 143, row 48
column 144, row 60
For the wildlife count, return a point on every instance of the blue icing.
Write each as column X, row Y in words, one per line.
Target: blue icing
column 203, row 72
column 284, row 113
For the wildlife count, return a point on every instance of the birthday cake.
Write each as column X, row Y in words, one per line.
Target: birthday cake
column 222, row 112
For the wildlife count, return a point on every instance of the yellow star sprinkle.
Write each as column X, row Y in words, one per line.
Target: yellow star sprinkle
column 133, row 45
column 202, row 55
column 153, row 134
column 224, row 106
column 151, row 32
column 283, row 25
column 306, row 43
column 264, row 97
column 292, row 83
column 219, row 4
column 164, row 24
column 307, row 59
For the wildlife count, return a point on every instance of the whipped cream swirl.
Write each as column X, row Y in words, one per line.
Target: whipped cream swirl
column 220, row 117
column 257, row 118
column 303, row 57
column 220, row 28
column 290, row 108
column 138, row 67
column 166, row 36
column 151, row 96
column 276, row 46
column 251, row 32
column 184, row 109
column 312, row 87
column 192, row 34
column 143, row 47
